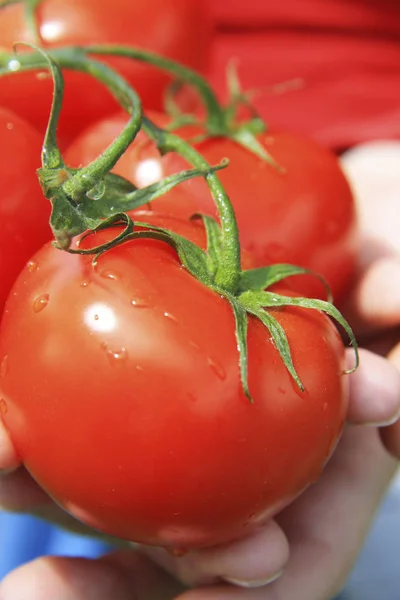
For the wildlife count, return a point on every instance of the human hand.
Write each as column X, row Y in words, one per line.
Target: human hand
column 314, row 541
column 374, row 305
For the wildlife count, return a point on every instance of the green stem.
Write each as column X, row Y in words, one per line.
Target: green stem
column 88, row 177
column 228, row 273
column 215, row 113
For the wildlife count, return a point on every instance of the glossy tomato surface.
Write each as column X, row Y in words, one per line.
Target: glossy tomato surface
column 178, row 29
column 304, row 216
column 120, row 388
column 24, row 212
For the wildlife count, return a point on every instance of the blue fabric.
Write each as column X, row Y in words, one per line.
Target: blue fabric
column 23, row 538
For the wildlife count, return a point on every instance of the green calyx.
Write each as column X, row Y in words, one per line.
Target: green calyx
column 92, row 198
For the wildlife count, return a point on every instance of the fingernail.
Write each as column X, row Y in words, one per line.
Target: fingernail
column 254, row 583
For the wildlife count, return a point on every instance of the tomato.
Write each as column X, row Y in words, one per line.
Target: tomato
column 305, row 216
column 120, row 388
column 24, row 212
column 178, row 29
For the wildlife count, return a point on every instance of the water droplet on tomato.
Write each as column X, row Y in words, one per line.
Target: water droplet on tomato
column 139, row 303
column 109, row 275
column 42, row 75
column 194, row 345
column 325, row 406
column 217, row 369
column 117, row 357
column 32, row 266
column 4, row 366
column 171, row 317
column 10, row 126
column 40, row 302
column 3, row 406
column 84, row 284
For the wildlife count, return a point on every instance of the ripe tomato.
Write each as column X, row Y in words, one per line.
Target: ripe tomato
column 121, row 391
column 24, row 212
column 178, row 29
column 305, row 216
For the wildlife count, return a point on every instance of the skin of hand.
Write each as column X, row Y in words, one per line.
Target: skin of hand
column 373, row 170
column 311, row 546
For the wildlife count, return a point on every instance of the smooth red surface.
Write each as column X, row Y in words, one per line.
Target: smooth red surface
column 120, row 388
column 346, row 52
column 178, row 29
column 24, row 212
column 305, row 216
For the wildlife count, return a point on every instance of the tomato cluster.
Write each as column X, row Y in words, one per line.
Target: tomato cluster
column 173, row 390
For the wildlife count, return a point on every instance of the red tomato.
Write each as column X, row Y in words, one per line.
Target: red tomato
column 24, row 212
column 178, row 29
column 305, row 216
column 120, row 388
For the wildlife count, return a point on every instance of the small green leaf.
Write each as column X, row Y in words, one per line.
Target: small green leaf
column 252, row 302
column 263, row 277
column 213, row 233
column 268, row 299
column 248, row 140
column 241, row 319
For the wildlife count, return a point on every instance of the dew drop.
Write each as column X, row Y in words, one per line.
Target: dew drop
column 109, row 275
column 84, row 284
column 217, row 369
column 32, row 266
column 325, row 406
column 117, row 357
column 3, row 406
column 97, row 192
column 171, row 317
column 139, row 303
column 40, row 302
column 4, row 366
column 10, row 126
column 42, row 75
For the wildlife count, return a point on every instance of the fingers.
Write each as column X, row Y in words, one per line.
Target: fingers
column 374, row 390
column 326, row 526
column 8, row 456
column 66, row 579
column 120, row 576
column 390, row 436
column 250, row 562
column 19, row 493
column 374, row 302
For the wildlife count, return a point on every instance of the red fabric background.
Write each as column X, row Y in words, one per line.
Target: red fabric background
column 347, row 52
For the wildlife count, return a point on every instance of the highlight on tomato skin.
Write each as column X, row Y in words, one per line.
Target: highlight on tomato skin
column 125, row 375
column 178, row 29
column 304, row 216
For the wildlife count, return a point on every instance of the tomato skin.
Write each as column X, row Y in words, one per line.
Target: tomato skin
column 24, row 212
column 178, row 29
column 120, row 389
column 305, row 216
